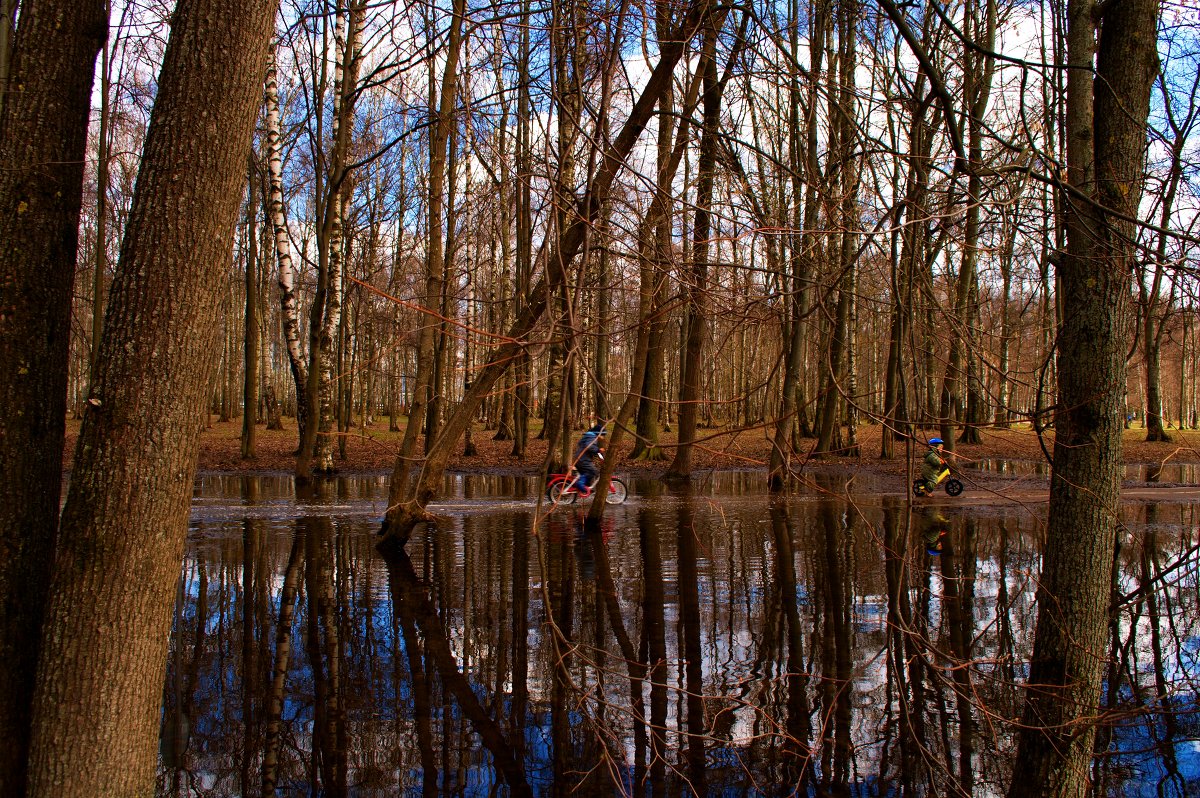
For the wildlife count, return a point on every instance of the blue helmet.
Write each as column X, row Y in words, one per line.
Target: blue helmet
column 936, row 441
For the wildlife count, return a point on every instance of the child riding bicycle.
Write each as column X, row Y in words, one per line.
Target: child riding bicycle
column 590, row 446
column 934, row 468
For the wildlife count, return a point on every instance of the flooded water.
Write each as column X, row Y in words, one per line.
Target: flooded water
column 709, row 642
column 1164, row 473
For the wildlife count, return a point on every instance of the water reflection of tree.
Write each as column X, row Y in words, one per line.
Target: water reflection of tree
column 410, row 598
column 1143, row 623
column 279, row 664
column 936, row 651
column 654, row 648
column 323, row 645
column 832, row 631
column 797, row 743
column 958, row 580
column 693, row 657
column 815, row 648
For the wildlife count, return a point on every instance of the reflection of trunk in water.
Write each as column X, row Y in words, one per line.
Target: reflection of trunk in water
column 905, row 664
column 689, row 628
column 520, row 645
column 175, row 738
column 405, row 606
column 251, row 548
column 607, row 591
column 1151, row 573
column 798, row 745
column 325, row 659
column 958, row 577
column 283, row 649
column 1118, row 649
column 1122, row 664
column 591, row 565
column 654, row 644
column 1006, row 644
column 920, row 678
column 411, row 600
column 835, row 649
column 559, row 567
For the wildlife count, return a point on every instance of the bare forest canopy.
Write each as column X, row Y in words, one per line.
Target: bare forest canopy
column 887, row 215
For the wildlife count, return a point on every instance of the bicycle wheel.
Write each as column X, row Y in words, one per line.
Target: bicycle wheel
column 953, row 487
column 616, row 492
column 558, row 493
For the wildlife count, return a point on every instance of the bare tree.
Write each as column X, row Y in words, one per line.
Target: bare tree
column 407, row 503
column 712, row 89
column 46, row 84
column 96, row 718
column 1106, row 118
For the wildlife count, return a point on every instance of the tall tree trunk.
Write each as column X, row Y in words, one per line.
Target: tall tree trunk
column 315, row 452
column 103, row 135
column 523, row 267
column 1152, row 307
column 102, row 665
column 289, row 309
column 654, row 257
column 569, row 64
column 43, row 137
column 697, row 302
column 805, row 169
column 843, row 242
column 978, row 87
column 913, row 242
column 1106, row 123
column 250, row 331
column 1004, row 395
column 850, row 222
column 423, row 385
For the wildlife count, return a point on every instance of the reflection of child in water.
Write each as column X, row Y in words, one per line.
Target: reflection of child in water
column 933, row 532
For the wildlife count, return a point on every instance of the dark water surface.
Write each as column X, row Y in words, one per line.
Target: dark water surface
column 710, row 642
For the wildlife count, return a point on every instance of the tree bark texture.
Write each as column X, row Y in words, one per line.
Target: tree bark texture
column 43, row 132
column 96, row 706
column 250, row 329
column 1106, row 121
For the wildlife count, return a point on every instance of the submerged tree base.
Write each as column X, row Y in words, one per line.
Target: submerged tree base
column 399, row 523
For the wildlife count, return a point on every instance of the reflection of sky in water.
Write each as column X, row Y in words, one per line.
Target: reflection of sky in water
column 1160, row 762
column 744, row 637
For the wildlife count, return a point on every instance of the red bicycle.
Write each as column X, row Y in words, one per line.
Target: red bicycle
column 561, row 489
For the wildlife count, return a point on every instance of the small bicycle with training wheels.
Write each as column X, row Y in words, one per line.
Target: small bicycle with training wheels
column 561, row 489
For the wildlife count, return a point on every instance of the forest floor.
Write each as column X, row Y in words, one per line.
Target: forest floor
column 373, row 450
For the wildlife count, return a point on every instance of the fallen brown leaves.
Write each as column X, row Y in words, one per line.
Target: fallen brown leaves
column 373, row 450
